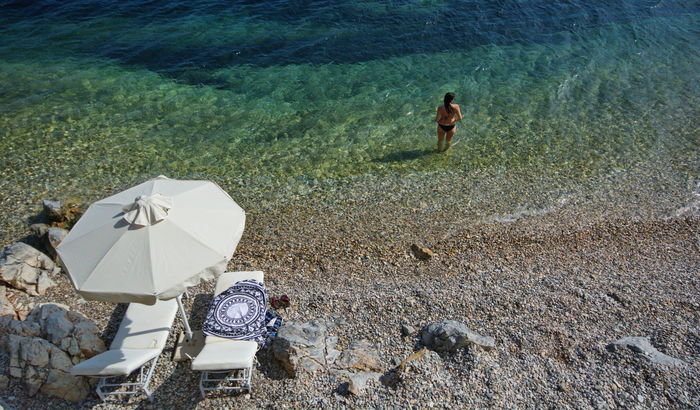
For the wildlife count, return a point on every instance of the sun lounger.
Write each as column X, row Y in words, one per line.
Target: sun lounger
column 139, row 341
column 227, row 364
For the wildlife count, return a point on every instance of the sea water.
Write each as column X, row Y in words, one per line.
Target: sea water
column 102, row 94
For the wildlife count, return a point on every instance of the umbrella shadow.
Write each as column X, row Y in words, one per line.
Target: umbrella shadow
column 269, row 366
column 407, row 155
column 180, row 384
column 115, row 320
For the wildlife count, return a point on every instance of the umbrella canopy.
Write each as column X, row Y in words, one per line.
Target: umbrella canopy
column 152, row 241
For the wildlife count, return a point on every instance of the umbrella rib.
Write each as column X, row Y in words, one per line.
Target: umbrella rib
column 197, row 240
column 150, row 262
column 107, row 222
column 97, row 265
column 102, row 259
column 148, row 186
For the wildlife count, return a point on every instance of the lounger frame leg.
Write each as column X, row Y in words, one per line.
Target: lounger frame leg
column 106, row 388
column 241, row 377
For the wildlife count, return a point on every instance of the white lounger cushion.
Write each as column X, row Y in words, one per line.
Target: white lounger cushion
column 228, row 279
column 118, row 362
column 234, row 354
column 146, row 326
column 225, row 281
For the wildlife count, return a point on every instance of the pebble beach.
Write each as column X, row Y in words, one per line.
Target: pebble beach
column 559, row 234
column 554, row 285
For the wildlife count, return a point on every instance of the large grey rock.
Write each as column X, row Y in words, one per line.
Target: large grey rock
column 301, row 347
column 25, row 268
column 360, row 355
column 642, row 346
column 54, row 236
column 450, row 335
column 66, row 386
column 43, row 348
column 16, row 327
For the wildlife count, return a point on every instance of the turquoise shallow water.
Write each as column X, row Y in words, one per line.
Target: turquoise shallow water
column 96, row 94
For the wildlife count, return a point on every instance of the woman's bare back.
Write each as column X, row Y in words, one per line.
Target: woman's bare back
column 445, row 117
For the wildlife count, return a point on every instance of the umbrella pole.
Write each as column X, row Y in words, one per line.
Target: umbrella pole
column 188, row 331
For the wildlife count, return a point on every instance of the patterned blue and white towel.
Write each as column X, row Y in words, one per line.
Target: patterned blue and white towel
column 240, row 313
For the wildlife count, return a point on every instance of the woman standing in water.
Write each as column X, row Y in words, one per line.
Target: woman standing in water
column 447, row 116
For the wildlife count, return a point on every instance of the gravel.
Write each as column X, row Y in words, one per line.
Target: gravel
column 553, row 275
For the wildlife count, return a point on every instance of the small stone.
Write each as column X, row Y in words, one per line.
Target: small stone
column 52, row 208
column 563, row 387
column 450, row 335
column 358, row 381
column 39, row 230
column 407, row 330
column 43, row 283
column 422, row 253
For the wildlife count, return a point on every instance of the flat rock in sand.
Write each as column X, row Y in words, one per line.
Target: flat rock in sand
column 450, row 335
column 360, row 355
column 642, row 346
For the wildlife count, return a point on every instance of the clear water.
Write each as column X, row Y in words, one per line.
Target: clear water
column 102, row 93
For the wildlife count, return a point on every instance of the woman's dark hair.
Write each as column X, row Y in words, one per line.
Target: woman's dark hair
column 448, row 99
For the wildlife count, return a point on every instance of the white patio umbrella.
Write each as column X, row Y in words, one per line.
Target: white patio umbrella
column 152, row 242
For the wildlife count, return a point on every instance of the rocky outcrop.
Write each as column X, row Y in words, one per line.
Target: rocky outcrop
column 642, row 346
column 6, row 307
column 450, row 335
column 43, row 348
column 307, row 347
column 25, row 268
